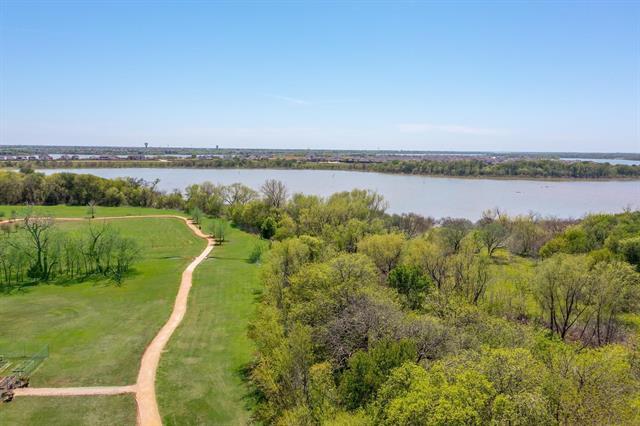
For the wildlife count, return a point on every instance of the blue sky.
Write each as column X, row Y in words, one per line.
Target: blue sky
column 432, row 76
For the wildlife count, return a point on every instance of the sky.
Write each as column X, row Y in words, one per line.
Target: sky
column 498, row 76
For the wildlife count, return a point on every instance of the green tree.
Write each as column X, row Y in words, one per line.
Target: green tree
column 413, row 396
column 615, row 290
column 630, row 250
column 368, row 370
column 197, row 215
column 493, row 235
column 452, row 232
column 385, row 250
column 564, row 292
column 268, row 228
column 409, row 281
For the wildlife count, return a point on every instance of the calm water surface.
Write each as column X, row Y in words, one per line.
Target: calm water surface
column 429, row 196
column 620, row 161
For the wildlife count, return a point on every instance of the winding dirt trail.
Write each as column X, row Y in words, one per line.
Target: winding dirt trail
column 144, row 389
column 148, row 413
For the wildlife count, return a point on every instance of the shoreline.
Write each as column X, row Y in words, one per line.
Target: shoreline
column 329, row 169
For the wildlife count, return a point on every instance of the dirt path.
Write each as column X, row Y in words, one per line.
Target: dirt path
column 144, row 389
column 148, row 413
column 85, row 391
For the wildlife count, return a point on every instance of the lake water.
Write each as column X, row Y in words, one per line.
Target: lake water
column 620, row 161
column 429, row 196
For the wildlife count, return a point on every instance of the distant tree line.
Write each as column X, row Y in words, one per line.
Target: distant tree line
column 81, row 189
column 518, row 168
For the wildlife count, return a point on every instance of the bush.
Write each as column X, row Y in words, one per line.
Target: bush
column 630, row 249
column 256, row 253
column 268, row 228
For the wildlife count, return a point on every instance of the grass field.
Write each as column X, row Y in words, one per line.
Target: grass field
column 75, row 411
column 96, row 331
column 81, row 211
column 200, row 376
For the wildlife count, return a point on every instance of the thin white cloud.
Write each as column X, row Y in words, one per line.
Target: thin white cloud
column 448, row 128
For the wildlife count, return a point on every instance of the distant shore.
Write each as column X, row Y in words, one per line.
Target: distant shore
column 297, row 165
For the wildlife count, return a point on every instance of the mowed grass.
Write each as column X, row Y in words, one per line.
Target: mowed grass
column 72, row 411
column 82, row 211
column 200, row 379
column 96, row 331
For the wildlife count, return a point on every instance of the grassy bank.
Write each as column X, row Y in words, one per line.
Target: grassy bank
column 200, row 380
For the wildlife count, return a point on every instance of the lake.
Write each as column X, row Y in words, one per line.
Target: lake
column 618, row 161
column 428, row 196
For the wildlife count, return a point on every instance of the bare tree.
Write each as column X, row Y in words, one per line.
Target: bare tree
column 275, row 193
column 238, row 193
column 91, row 209
column 38, row 229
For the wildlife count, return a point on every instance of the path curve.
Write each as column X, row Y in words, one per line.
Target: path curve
column 144, row 389
column 148, row 412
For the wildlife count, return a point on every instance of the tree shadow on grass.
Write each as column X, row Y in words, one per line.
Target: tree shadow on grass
column 239, row 259
column 252, row 397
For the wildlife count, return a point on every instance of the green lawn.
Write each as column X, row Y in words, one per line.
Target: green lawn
column 72, row 411
column 200, row 377
column 81, row 211
column 96, row 331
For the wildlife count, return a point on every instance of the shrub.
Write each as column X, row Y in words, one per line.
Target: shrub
column 256, row 253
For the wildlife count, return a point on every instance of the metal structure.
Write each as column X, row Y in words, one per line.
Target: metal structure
column 16, row 370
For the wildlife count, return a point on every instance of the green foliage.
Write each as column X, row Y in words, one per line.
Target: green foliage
column 460, row 347
column 283, row 376
column 84, row 320
column 367, row 371
column 197, row 215
column 385, row 250
column 413, row 396
column 630, row 250
column 268, row 228
column 596, row 232
column 475, row 167
column 411, row 282
column 493, row 235
column 36, row 251
column 578, row 297
column 452, row 232
column 256, row 253
column 218, row 229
